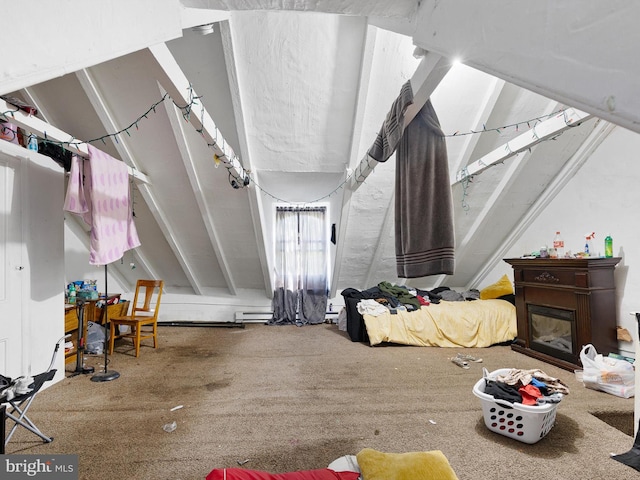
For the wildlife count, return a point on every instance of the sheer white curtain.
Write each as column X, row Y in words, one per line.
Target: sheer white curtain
column 301, row 282
column 285, row 295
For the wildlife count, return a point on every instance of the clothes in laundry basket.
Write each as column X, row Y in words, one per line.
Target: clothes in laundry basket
column 529, row 387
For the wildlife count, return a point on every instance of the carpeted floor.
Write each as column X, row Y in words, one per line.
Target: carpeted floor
column 289, row 398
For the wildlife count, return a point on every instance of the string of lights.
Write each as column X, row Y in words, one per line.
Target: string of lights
column 239, row 177
column 516, row 126
column 465, row 175
column 231, row 162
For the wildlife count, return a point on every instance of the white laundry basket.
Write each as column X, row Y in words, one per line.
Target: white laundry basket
column 525, row 423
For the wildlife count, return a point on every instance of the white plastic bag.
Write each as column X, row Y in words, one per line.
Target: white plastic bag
column 611, row 375
column 95, row 338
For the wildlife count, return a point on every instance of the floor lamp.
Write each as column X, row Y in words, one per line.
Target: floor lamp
column 105, row 376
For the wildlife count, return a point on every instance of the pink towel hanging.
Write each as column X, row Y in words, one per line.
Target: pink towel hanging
column 103, row 202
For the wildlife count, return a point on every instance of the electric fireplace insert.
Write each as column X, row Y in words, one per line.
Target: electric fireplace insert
column 563, row 304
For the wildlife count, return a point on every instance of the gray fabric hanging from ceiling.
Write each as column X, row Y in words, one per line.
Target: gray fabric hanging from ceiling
column 424, row 228
column 391, row 130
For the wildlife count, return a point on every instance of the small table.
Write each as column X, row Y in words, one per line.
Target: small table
column 98, row 313
column 77, row 326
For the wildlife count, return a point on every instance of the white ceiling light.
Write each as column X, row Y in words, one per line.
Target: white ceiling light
column 203, row 29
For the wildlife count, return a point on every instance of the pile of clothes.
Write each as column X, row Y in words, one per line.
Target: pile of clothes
column 11, row 388
column 394, row 296
column 385, row 297
column 528, row 387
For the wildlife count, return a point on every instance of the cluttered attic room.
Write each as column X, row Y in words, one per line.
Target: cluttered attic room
column 320, row 240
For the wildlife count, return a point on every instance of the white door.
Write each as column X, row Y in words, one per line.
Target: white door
column 11, row 267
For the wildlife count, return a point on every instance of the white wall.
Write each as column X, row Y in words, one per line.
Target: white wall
column 602, row 197
column 44, row 315
column 38, row 318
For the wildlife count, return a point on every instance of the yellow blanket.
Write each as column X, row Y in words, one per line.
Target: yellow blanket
column 478, row 323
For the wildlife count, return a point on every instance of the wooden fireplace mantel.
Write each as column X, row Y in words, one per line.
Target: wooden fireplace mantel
column 581, row 288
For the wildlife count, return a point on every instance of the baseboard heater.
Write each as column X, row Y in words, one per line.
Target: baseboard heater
column 264, row 317
column 196, row 323
column 253, row 317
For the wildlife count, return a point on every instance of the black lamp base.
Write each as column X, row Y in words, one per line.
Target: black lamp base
column 82, row 371
column 105, row 376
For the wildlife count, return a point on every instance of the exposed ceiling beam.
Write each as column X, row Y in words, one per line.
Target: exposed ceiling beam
column 180, row 90
column 366, row 63
column 255, row 200
column 508, row 177
column 48, row 132
column 430, row 72
column 542, row 131
column 176, row 84
column 514, row 167
column 177, row 125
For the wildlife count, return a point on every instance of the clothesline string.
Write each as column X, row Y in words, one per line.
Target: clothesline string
column 239, row 180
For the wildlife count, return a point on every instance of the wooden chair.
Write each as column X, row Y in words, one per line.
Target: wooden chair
column 142, row 316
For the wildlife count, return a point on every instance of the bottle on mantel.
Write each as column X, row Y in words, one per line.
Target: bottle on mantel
column 608, row 246
column 588, row 244
column 558, row 245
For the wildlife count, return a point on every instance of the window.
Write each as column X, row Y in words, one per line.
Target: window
column 301, row 267
column 301, row 247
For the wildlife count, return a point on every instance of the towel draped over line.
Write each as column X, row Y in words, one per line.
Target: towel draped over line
column 98, row 191
column 424, row 229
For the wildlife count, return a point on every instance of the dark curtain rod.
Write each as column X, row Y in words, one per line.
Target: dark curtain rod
column 301, row 209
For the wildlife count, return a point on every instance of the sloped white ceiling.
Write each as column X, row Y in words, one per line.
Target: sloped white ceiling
column 298, row 90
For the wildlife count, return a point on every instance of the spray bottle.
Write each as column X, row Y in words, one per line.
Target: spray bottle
column 588, row 245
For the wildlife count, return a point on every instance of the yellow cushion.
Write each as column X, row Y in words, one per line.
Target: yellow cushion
column 498, row 289
column 431, row 465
